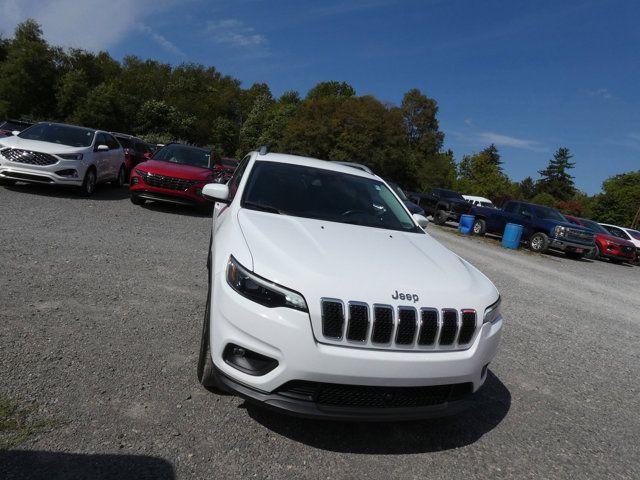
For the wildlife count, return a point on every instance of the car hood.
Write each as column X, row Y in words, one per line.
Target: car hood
column 38, row 146
column 176, row 170
column 349, row 262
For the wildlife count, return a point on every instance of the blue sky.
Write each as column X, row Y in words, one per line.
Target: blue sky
column 529, row 76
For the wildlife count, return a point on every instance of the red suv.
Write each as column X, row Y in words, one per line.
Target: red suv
column 135, row 151
column 608, row 246
column 176, row 174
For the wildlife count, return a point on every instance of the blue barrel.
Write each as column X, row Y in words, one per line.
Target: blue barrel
column 512, row 235
column 466, row 224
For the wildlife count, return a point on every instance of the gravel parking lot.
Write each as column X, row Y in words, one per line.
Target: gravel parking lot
column 101, row 310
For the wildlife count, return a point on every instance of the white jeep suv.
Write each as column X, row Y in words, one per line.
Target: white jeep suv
column 327, row 299
column 56, row 153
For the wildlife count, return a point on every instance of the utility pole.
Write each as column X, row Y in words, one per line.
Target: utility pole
column 636, row 220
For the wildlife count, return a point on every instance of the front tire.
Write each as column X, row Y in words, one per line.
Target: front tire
column 89, row 183
column 539, row 242
column 479, row 227
column 119, row 181
column 207, row 375
column 440, row 217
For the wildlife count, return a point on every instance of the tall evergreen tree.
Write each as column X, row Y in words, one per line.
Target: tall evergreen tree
column 492, row 155
column 555, row 179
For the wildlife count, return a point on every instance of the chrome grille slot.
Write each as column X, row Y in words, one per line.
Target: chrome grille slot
column 428, row 326
column 406, row 331
column 382, row 324
column 449, row 327
column 358, row 326
column 579, row 236
column 468, row 326
column 332, row 318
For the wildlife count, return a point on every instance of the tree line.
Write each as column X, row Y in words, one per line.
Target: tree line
column 197, row 104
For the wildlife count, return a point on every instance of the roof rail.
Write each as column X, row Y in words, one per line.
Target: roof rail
column 358, row 166
column 263, row 150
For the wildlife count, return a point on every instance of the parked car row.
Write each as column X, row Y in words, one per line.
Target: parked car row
column 60, row 154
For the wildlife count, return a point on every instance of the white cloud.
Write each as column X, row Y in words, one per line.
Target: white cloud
column 88, row 24
column 234, row 32
column 162, row 41
column 468, row 122
column 601, row 93
column 482, row 139
column 507, row 141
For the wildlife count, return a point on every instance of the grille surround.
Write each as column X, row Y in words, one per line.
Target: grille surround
column 398, row 328
column 28, row 157
column 163, row 181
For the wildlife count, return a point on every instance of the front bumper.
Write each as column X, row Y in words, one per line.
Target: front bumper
column 617, row 252
column 567, row 246
column 286, row 336
column 45, row 174
column 189, row 196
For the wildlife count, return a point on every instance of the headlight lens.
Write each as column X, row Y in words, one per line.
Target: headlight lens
column 559, row 231
column 262, row 291
column 71, row 156
column 492, row 312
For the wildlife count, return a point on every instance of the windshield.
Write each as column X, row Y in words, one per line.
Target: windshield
column 60, row 134
column 310, row 192
column 448, row 193
column 398, row 190
column 487, row 204
column 184, row 155
column 634, row 233
column 547, row 213
column 595, row 227
column 11, row 125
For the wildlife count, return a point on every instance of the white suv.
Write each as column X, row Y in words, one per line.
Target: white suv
column 62, row 154
column 327, row 299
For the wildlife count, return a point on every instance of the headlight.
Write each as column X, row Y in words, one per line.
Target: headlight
column 70, row 156
column 559, row 231
column 492, row 312
column 262, row 291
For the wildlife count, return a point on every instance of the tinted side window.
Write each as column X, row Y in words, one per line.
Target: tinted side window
column 101, row 139
column 125, row 142
column 234, row 182
column 617, row 232
column 112, row 142
column 511, row 207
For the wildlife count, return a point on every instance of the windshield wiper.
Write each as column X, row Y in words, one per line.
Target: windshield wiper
column 261, row 207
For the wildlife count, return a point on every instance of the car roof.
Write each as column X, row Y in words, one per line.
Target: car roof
column 315, row 163
column 126, row 135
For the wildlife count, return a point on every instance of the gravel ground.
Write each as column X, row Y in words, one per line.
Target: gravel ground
column 101, row 310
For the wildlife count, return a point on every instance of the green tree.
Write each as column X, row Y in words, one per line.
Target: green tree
column 544, row 198
column 255, row 124
column 28, row 75
column 555, row 179
column 420, row 123
column 527, row 188
column 480, row 175
column 619, row 200
column 332, row 89
column 492, row 155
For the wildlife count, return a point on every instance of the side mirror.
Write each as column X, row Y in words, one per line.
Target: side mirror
column 15, row 132
column 421, row 220
column 147, row 155
column 216, row 192
column 102, row 148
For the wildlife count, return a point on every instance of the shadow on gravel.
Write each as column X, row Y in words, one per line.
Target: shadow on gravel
column 103, row 191
column 490, row 406
column 177, row 209
column 24, row 464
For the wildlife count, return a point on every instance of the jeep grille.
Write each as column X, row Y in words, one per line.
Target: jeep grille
column 401, row 328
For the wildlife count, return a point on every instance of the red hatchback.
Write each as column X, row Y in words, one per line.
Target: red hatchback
column 175, row 174
column 608, row 246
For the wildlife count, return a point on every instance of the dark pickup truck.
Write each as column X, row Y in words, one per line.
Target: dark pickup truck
column 544, row 227
column 441, row 204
